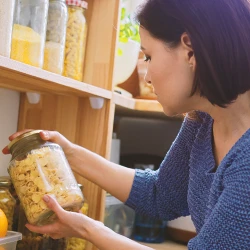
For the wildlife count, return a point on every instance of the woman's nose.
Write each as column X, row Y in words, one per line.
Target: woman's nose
column 147, row 78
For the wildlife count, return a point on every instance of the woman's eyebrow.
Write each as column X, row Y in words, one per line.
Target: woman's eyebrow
column 142, row 48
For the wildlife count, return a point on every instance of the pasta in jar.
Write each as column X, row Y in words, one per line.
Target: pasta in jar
column 39, row 171
column 75, row 40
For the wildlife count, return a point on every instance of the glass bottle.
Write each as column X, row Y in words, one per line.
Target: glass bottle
column 6, row 23
column 29, row 31
column 37, row 168
column 75, row 39
column 7, row 201
column 56, row 35
column 148, row 229
column 77, row 243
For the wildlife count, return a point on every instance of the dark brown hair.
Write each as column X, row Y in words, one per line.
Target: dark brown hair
column 219, row 31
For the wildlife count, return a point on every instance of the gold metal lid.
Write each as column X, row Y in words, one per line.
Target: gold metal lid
column 24, row 135
column 5, row 181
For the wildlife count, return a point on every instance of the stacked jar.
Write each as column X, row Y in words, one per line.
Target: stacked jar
column 75, row 39
column 37, row 168
column 6, row 23
column 56, row 35
column 29, row 31
column 7, row 201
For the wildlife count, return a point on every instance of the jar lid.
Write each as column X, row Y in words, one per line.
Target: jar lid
column 24, row 135
column 5, row 181
column 78, row 3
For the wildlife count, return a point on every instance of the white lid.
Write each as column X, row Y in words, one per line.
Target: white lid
column 10, row 237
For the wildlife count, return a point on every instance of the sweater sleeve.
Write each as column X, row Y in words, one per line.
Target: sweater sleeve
column 228, row 225
column 163, row 193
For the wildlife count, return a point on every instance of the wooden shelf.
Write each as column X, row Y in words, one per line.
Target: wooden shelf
column 126, row 106
column 137, row 104
column 21, row 77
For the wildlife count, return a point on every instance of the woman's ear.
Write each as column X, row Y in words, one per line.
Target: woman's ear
column 188, row 50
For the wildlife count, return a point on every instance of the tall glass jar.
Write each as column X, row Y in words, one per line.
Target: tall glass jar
column 7, row 201
column 75, row 39
column 56, row 35
column 29, row 31
column 6, row 23
column 37, row 168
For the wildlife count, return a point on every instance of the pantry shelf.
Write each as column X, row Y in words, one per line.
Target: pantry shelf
column 137, row 104
column 131, row 107
column 21, row 77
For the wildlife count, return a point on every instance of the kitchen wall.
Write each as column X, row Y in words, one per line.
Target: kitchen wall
column 9, row 107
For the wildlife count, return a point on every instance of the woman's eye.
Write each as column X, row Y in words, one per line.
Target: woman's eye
column 147, row 58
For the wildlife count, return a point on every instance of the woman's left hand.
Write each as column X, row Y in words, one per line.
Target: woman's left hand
column 68, row 224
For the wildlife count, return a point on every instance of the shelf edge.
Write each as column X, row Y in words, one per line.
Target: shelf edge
column 22, row 77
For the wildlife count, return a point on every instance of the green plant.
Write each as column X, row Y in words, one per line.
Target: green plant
column 128, row 29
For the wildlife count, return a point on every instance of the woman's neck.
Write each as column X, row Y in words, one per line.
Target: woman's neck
column 229, row 125
column 234, row 119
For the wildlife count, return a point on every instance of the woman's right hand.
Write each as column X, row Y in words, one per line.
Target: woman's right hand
column 53, row 136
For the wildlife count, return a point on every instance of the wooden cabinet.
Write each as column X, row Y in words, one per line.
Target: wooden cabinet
column 64, row 105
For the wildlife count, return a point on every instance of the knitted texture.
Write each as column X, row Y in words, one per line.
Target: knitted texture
column 186, row 184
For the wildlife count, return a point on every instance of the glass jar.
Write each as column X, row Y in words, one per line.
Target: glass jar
column 75, row 39
column 6, row 23
column 56, row 35
column 150, row 230
column 16, row 210
column 78, row 243
column 29, row 31
column 7, row 201
column 37, row 168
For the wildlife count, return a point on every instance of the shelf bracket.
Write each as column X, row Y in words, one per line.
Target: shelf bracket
column 33, row 98
column 96, row 102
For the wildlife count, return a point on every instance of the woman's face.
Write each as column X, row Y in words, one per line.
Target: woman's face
column 171, row 72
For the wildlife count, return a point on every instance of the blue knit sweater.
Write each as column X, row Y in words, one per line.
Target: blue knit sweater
column 187, row 184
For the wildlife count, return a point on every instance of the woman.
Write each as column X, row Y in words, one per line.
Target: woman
column 198, row 54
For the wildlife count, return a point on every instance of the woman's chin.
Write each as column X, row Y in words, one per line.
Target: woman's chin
column 169, row 112
column 172, row 112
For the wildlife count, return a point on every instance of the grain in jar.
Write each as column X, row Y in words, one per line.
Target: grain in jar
column 7, row 201
column 37, row 168
column 6, row 23
column 29, row 31
column 56, row 35
column 75, row 39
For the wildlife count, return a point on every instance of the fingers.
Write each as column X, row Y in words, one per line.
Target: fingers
column 13, row 136
column 54, row 205
column 47, row 229
column 5, row 150
column 51, row 229
column 50, row 135
column 55, row 137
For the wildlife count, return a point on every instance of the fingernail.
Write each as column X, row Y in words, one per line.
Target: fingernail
column 45, row 134
column 46, row 198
